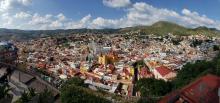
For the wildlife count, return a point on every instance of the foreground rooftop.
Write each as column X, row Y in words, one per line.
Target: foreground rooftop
column 203, row 90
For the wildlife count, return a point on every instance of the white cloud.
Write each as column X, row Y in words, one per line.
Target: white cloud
column 25, row 2
column 56, row 24
column 22, row 15
column 195, row 19
column 61, row 17
column 6, row 5
column 85, row 19
column 100, row 23
column 116, row 3
column 144, row 14
column 83, row 23
column 139, row 13
column 7, row 19
column 37, row 19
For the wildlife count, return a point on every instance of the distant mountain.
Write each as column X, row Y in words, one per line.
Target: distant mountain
column 158, row 28
column 14, row 34
column 164, row 27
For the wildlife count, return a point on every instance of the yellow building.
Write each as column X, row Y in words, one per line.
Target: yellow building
column 102, row 59
column 107, row 59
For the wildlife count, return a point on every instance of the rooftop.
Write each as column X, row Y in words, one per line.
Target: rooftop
column 204, row 90
column 163, row 70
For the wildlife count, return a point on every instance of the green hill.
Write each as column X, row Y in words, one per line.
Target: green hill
column 164, row 27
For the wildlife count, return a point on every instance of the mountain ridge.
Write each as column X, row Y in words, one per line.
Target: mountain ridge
column 165, row 27
column 158, row 28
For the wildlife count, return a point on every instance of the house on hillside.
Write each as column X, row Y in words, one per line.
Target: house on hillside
column 164, row 73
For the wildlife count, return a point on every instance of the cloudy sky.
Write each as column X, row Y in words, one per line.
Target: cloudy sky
column 72, row 14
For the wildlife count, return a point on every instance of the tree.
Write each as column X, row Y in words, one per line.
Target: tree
column 215, row 47
column 75, row 81
column 24, row 98
column 138, row 63
column 32, row 92
column 74, row 91
column 76, row 94
column 146, row 100
column 196, row 42
column 46, row 97
column 176, row 41
column 27, row 96
column 4, row 89
column 216, row 71
column 191, row 71
column 150, row 87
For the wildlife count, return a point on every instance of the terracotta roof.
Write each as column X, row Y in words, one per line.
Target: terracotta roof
column 163, row 70
column 204, row 90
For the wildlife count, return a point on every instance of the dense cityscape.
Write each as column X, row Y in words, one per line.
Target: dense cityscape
column 174, row 59
column 114, row 63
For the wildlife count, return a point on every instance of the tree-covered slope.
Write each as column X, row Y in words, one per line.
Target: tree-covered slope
column 164, row 27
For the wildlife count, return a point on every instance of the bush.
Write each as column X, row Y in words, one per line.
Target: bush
column 150, row 87
column 74, row 91
column 76, row 94
column 215, row 47
column 75, row 81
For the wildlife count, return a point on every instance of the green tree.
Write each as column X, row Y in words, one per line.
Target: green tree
column 146, row 100
column 217, row 67
column 27, row 96
column 150, row 87
column 75, row 81
column 76, row 94
column 46, row 97
column 215, row 47
column 4, row 89
column 32, row 92
column 74, row 91
column 191, row 71
column 24, row 98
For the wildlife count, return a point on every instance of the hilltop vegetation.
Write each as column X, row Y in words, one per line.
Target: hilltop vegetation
column 164, row 27
column 159, row 28
column 75, row 91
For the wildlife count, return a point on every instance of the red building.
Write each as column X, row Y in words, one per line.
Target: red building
column 203, row 90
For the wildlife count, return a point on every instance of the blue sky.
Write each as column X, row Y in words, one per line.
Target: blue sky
column 71, row 14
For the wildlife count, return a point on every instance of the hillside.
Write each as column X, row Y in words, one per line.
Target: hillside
column 164, row 27
column 159, row 28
